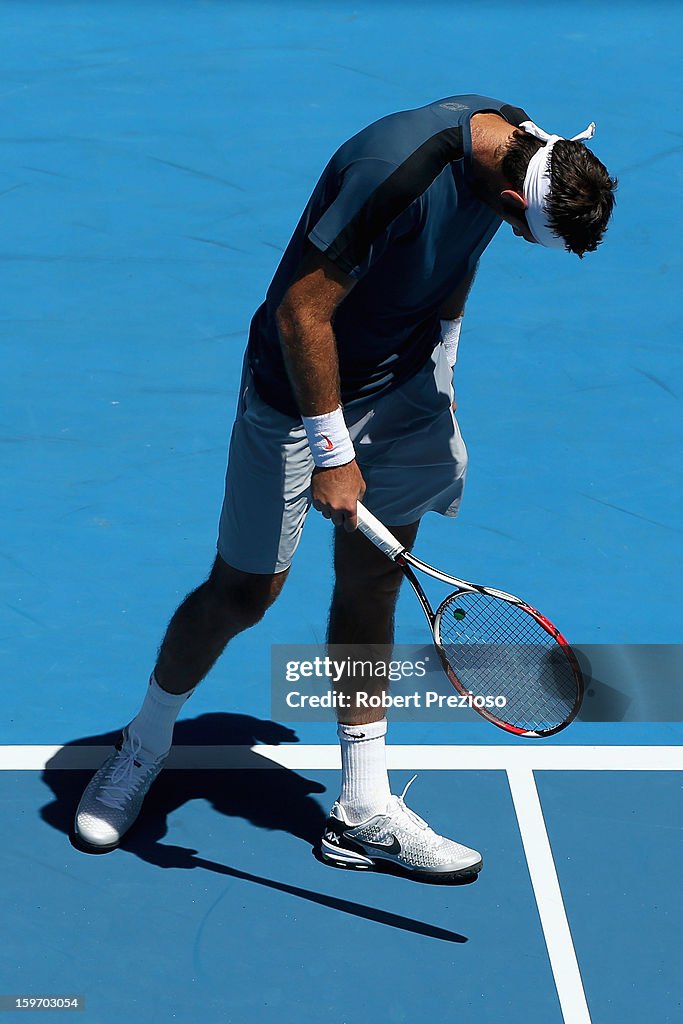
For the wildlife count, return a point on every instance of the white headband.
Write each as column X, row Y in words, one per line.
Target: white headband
column 537, row 183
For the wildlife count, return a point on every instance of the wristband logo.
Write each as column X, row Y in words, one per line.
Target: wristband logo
column 329, row 446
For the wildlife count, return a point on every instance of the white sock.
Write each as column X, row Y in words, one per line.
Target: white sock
column 154, row 722
column 365, row 783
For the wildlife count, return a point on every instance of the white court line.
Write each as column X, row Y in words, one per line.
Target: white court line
column 539, row 856
column 518, row 761
column 322, row 757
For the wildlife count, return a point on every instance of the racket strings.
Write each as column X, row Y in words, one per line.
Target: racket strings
column 498, row 650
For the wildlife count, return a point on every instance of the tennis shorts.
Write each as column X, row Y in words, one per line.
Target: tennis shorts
column 408, row 447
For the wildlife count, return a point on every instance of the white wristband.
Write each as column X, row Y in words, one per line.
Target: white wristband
column 450, row 336
column 329, row 439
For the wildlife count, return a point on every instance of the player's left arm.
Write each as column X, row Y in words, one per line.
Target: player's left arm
column 451, row 313
column 454, row 306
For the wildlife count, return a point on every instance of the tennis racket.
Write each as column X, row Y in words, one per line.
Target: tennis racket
column 516, row 668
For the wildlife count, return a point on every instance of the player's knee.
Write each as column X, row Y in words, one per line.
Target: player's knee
column 370, row 586
column 364, row 577
column 244, row 596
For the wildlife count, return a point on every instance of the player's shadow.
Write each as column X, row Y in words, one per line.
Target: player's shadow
column 272, row 798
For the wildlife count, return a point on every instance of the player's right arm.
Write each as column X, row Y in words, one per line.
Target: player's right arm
column 367, row 212
column 305, row 324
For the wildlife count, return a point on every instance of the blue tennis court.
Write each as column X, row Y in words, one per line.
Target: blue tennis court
column 156, row 159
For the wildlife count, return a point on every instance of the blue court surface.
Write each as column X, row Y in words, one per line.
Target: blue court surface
column 155, row 159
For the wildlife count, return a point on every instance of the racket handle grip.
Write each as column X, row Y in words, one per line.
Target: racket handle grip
column 378, row 533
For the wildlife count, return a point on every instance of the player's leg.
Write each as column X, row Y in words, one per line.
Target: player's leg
column 229, row 602
column 413, row 460
column 367, row 826
column 361, row 629
column 363, row 603
column 263, row 514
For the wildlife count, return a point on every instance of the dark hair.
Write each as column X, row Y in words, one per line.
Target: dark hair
column 581, row 197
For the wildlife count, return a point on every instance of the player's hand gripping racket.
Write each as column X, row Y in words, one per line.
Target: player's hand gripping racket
column 494, row 645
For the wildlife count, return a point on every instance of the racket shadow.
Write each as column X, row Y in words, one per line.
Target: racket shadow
column 603, row 701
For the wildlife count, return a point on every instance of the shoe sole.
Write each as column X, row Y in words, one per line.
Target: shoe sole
column 355, row 862
column 84, row 846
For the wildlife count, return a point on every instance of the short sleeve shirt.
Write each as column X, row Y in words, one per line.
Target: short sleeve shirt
column 395, row 210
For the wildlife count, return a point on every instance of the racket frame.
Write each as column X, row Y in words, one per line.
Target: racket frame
column 383, row 539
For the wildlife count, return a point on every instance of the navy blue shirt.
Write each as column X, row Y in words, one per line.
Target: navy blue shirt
column 394, row 209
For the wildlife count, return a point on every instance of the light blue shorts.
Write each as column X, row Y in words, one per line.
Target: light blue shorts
column 408, row 447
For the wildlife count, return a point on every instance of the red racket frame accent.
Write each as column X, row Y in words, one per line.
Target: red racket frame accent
column 545, row 624
column 383, row 539
column 552, row 631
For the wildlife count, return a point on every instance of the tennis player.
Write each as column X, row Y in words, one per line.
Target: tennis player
column 346, row 394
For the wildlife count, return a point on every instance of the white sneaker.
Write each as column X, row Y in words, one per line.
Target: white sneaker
column 399, row 840
column 113, row 797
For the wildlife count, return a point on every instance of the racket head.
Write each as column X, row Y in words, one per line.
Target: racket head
column 493, row 648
